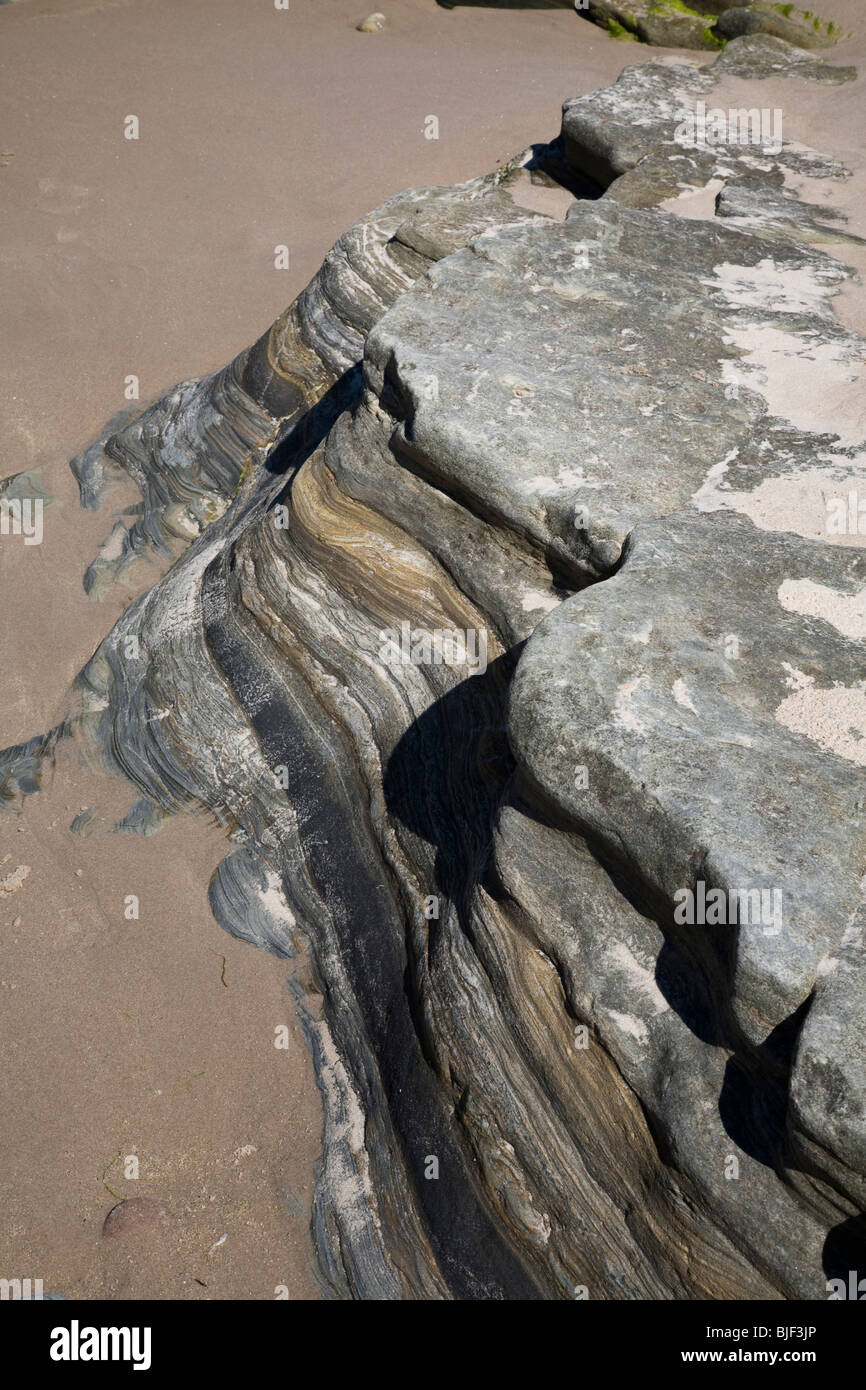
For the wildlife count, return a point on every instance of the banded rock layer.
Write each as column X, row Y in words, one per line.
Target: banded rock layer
column 574, row 442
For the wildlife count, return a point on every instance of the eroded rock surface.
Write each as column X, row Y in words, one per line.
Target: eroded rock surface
column 515, row 630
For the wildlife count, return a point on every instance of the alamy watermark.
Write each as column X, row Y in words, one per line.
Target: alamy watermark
column 854, row 1291
column 13, row 1290
column 711, row 907
column 846, row 516
column 418, row 646
column 702, row 128
column 77, row 1343
column 22, row 516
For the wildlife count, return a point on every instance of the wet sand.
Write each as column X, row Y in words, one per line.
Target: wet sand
column 153, row 1038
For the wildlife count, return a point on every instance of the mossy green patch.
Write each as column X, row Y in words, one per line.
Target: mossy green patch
column 245, row 472
column 678, row 7
column 619, row 31
column 789, row 11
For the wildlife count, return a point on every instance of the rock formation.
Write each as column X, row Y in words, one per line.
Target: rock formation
column 707, row 24
column 515, row 630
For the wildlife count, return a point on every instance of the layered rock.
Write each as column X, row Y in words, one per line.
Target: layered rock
column 511, row 635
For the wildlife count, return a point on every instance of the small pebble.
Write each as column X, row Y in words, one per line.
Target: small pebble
column 372, row 24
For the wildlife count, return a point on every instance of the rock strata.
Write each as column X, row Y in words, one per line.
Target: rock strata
column 513, row 625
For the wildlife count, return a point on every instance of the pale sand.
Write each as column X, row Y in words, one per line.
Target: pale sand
column 151, row 1039
column 155, row 257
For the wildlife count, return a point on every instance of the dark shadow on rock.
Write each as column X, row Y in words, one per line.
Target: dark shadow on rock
column 446, row 781
column 548, row 162
column 844, row 1255
column 306, row 433
column 687, row 971
column 695, row 971
column 688, row 990
column 753, row 1104
column 446, row 777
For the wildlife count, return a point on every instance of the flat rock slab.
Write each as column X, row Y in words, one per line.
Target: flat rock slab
column 714, row 693
column 653, row 110
column 534, row 375
column 762, row 55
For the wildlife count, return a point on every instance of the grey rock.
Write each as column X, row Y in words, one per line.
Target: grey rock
column 709, row 24
column 654, row 21
column 757, row 18
column 761, row 55
column 773, row 209
column 660, row 702
column 534, row 426
column 828, row 1087
column 192, row 451
column 651, row 111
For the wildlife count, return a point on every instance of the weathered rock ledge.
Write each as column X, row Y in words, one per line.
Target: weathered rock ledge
column 607, row 450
